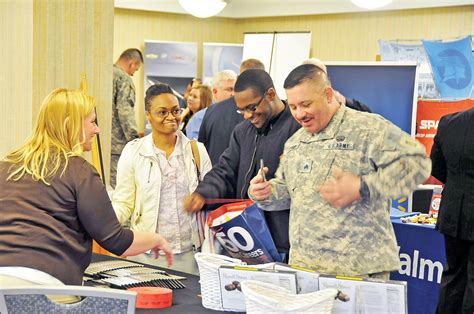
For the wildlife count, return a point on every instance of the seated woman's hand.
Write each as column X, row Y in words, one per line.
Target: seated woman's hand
column 163, row 245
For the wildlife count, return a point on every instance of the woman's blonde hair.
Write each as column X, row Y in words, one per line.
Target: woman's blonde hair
column 57, row 135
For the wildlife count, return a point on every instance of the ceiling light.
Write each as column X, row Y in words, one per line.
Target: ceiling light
column 371, row 4
column 203, row 8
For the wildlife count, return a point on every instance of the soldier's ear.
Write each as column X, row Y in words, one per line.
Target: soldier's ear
column 329, row 92
column 131, row 64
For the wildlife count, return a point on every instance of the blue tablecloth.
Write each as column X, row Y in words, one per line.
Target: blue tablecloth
column 422, row 258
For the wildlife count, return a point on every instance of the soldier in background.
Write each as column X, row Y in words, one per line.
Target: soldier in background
column 339, row 172
column 124, row 126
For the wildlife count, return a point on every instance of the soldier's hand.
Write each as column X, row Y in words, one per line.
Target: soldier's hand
column 193, row 202
column 260, row 189
column 342, row 189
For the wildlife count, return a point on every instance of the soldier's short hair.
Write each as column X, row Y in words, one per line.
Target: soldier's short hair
column 225, row 75
column 257, row 80
column 317, row 63
column 156, row 90
column 251, row 64
column 132, row 53
column 305, row 72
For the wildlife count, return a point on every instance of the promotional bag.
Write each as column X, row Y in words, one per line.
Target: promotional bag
column 241, row 229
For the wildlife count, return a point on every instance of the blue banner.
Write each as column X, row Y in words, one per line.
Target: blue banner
column 422, row 257
column 452, row 66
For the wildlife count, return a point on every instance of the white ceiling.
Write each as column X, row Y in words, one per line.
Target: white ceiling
column 263, row 8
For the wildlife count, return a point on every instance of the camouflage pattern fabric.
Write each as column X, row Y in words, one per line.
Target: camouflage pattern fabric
column 359, row 238
column 114, row 158
column 124, row 126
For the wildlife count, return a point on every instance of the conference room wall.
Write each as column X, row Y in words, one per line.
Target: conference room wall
column 48, row 44
column 335, row 37
column 16, row 51
column 354, row 36
column 133, row 27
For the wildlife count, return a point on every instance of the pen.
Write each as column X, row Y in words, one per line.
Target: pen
column 261, row 170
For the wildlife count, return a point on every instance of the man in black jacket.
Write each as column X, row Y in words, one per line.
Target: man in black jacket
column 268, row 124
column 453, row 164
column 221, row 118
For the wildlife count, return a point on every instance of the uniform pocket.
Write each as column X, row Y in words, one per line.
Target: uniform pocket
column 309, row 170
column 353, row 156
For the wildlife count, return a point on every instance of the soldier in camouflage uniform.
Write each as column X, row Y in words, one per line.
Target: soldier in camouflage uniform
column 339, row 173
column 124, row 126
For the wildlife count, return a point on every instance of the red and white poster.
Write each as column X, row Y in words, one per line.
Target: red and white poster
column 430, row 112
column 427, row 118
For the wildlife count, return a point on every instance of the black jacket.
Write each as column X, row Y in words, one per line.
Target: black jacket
column 239, row 163
column 217, row 126
column 453, row 164
column 357, row 105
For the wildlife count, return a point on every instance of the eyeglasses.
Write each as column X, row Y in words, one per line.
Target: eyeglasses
column 251, row 108
column 163, row 114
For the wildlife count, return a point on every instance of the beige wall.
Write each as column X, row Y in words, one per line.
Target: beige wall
column 48, row 44
column 71, row 38
column 354, row 36
column 335, row 37
column 16, row 52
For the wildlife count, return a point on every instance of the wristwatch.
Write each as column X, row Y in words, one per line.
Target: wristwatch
column 364, row 189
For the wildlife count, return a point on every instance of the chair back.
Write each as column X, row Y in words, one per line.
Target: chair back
column 33, row 299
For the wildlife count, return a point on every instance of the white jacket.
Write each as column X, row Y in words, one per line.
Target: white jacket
column 136, row 197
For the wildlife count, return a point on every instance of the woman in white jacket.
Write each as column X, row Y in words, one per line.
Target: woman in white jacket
column 154, row 174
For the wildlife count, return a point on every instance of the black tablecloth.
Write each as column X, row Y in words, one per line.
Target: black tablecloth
column 184, row 300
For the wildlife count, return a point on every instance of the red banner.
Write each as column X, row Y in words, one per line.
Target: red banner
column 428, row 115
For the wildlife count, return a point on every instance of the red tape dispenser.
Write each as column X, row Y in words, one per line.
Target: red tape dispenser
column 153, row 297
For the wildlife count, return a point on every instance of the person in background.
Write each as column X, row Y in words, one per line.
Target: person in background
column 351, row 103
column 154, row 175
column 124, row 126
column 183, row 102
column 452, row 155
column 268, row 124
column 251, row 64
column 222, row 88
column 338, row 174
column 199, row 99
column 221, row 118
column 223, row 85
column 53, row 202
